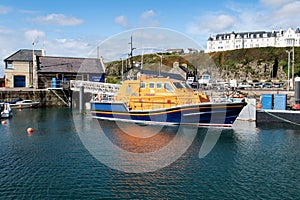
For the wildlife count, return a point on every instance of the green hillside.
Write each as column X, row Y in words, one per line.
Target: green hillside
column 259, row 63
column 244, row 64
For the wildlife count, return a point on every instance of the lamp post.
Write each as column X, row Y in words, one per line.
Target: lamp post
column 293, row 66
column 160, row 66
column 289, row 55
column 227, row 73
column 122, row 70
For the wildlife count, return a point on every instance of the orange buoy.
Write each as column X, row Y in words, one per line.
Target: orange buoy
column 296, row 106
column 3, row 122
column 258, row 106
column 30, row 130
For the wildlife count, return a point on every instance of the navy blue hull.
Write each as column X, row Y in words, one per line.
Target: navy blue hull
column 223, row 114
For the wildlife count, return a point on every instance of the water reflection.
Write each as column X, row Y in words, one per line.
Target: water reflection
column 115, row 148
column 127, row 136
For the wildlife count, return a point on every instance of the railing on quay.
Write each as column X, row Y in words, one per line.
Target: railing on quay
column 94, row 87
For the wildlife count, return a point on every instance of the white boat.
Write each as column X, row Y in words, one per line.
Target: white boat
column 6, row 111
column 24, row 104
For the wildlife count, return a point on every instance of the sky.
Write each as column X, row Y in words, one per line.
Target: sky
column 76, row 28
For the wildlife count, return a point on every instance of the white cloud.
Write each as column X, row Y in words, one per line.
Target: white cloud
column 239, row 17
column 4, row 10
column 210, row 24
column 58, row 19
column 290, row 10
column 122, row 20
column 34, row 35
column 147, row 19
column 68, row 47
column 285, row 16
column 220, row 22
column 275, row 3
column 147, row 14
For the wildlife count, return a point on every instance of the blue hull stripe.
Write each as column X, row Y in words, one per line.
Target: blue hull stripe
column 193, row 114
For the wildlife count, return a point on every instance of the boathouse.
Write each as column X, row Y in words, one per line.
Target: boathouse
column 32, row 69
column 19, row 68
column 58, row 71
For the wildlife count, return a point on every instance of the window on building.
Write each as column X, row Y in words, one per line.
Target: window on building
column 9, row 65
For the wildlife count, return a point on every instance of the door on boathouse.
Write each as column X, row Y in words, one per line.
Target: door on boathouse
column 19, row 81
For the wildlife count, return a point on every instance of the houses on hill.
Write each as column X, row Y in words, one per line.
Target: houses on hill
column 242, row 40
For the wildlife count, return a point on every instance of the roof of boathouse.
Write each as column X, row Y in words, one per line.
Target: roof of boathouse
column 49, row 64
column 23, row 55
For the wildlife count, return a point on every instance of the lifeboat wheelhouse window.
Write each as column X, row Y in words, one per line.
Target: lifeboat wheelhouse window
column 186, row 85
column 142, row 85
column 168, row 87
column 151, row 85
column 158, row 85
column 178, row 85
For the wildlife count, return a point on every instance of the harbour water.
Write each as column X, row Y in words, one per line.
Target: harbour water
column 55, row 163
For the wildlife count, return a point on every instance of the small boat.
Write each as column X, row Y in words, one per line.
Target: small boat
column 6, row 111
column 163, row 101
column 20, row 103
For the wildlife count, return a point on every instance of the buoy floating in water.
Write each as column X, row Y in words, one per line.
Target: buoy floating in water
column 30, row 130
column 3, row 122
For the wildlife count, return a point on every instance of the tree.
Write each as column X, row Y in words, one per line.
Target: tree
column 275, row 68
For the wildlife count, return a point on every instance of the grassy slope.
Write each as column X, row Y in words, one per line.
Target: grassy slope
column 256, row 63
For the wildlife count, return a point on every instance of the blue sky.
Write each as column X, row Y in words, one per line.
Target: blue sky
column 74, row 28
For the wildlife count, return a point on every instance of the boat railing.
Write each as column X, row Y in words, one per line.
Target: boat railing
column 104, row 97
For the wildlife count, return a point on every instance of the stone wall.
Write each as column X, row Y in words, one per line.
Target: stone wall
column 45, row 97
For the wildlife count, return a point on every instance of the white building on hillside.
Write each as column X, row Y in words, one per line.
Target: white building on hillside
column 231, row 41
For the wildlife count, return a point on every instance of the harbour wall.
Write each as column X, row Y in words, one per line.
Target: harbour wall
column 44, row 96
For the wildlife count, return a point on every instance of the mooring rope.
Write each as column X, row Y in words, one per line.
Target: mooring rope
column 273, row 115
column 280, row 118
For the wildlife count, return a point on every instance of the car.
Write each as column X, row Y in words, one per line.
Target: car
column 258, row 85
column 267, row 85
column 244, row 85
column 190, row 80
column 277, row 85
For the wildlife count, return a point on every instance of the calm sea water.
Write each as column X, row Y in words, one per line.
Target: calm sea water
column 53, row 162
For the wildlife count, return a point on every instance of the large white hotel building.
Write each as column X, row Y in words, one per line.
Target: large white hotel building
column 231, row 41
